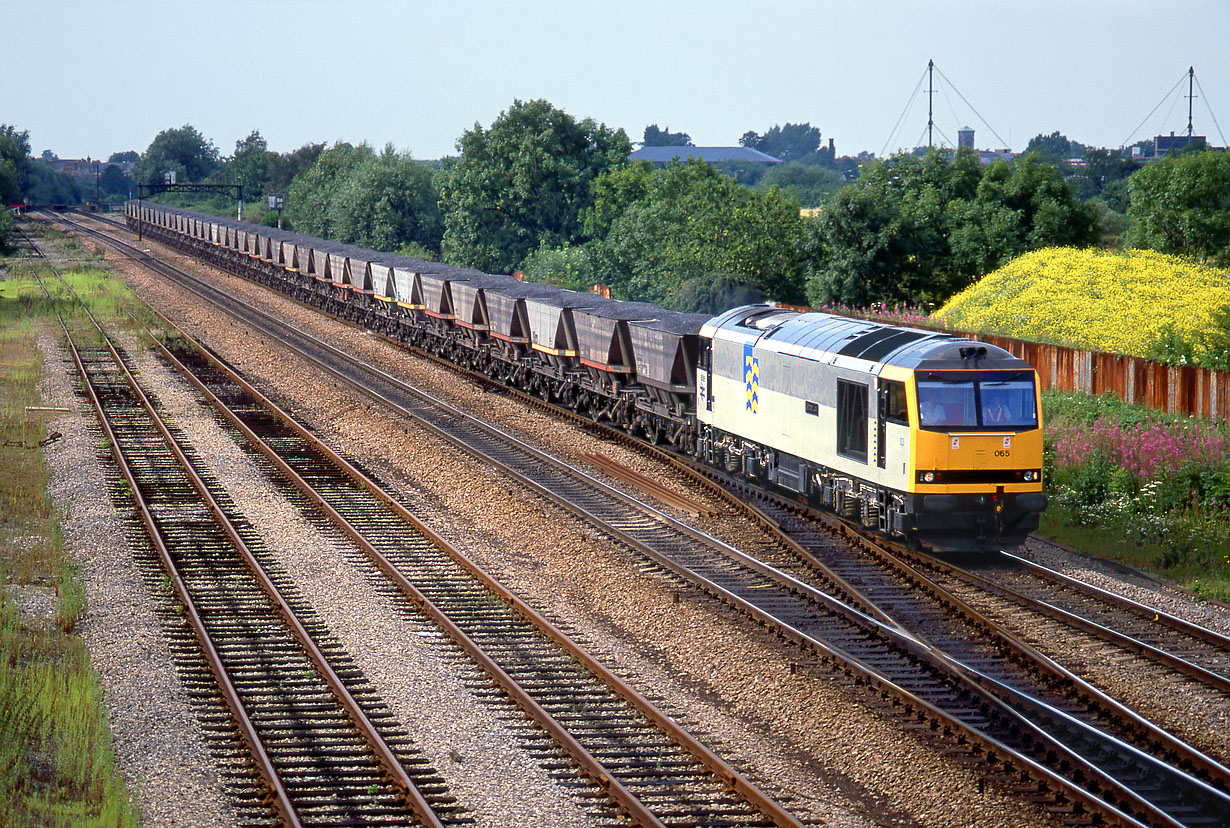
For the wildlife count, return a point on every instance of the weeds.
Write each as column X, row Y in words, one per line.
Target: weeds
column 1149, row 489
column 56, row 762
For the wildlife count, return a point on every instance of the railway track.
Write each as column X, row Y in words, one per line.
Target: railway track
column 1011, row 728
column 892, row 578
column 325, row 749
column 653, row 771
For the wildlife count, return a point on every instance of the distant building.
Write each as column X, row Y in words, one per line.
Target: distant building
column 1163, row 145
column 661, row 156
column 965, row 138
column 84, row 167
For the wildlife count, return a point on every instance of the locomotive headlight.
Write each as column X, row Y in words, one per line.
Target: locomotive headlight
column 1029, row 475
column 928, row 477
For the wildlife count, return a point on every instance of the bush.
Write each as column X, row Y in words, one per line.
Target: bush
column 1137, row 303
column 571, row 268
column 1150, row 489
column 7, row 235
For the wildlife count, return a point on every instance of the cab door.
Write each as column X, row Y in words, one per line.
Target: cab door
column 882, row 409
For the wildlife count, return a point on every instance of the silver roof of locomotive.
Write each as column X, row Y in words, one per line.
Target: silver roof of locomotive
column 828, row 338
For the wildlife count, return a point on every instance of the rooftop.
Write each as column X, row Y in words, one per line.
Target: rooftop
column 664, row 155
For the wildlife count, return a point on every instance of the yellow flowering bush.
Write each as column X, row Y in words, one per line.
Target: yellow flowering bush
column 1138, row 302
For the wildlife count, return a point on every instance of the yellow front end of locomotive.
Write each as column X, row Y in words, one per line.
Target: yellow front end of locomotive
column 967, row 462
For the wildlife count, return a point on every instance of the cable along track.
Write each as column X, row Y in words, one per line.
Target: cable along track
column 1012, row 729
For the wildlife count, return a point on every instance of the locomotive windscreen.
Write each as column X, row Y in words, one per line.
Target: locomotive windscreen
column 977, row 400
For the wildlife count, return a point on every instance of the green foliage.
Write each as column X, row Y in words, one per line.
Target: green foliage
column 8, row 238
column 379, row 201
column 386, row 201
column 43, row 185
column 1112, row 224
column 1181, row 205
column 1108, row 171
column 115, row 182
column 56, row 761
column 1209, row 349
column 284, row 167
column 918, row 229
column 523, row 183
column 789, row 142
column 128, row 155
column 1055, row 148
column 568, row 267
column 810, row 184
column 655, row 137
column 14, row 159
column 684, row 234
column 182, row 150
column 312, row 192
column 249, row 166
column 1176, row 522
column 414, row 250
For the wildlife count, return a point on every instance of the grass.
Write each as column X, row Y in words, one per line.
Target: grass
column 1149, row 489
column 57, row 767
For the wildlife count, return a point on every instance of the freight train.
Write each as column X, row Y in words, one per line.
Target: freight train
column 923, row 437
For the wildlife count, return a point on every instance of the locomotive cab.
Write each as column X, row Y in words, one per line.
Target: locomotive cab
column 977, row 459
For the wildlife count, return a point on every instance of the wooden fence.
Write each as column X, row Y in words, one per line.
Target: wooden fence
column 1200, row 392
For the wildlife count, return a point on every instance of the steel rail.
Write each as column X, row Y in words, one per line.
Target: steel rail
column 247, row 730
column 384, row 753
column 1160, row 616
column 1004, row 752
column 1193, row 670
column 1098, row 630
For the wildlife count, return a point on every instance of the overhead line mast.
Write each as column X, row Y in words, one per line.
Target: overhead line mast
column 1191, row 79
column 930, row 95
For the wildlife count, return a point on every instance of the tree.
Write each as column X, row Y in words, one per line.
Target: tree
column 811, row 185
column 655, row 137
column 114, row 181
column 1108, row 172
column 790, row 142
column 6, row 231
column 43, row 185
column 568, row 267
column 183, row 151
column 24, row 180
column 14, row 159
column 249, row 167
column 385, row 202
column 309, row 202
column 283, row 167
column 523, row 183
column 1055, row 148
column 1181, row 205
column 688, row 237
column 917, row 229
column 122, row 157
column 352, row 195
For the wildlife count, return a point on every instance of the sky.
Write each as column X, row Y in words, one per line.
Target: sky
column 89, row 78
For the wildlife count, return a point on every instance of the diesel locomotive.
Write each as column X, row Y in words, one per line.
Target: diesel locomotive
column 921, row 436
